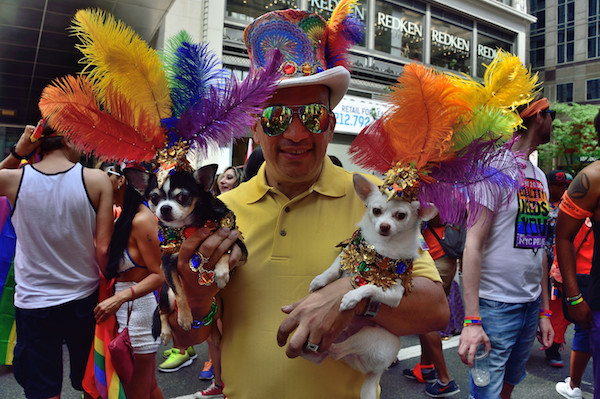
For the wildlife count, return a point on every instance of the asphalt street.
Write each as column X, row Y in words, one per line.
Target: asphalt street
column 539, row 383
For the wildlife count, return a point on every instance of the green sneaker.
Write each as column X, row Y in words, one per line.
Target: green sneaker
column 175, row 361
column 190, row 351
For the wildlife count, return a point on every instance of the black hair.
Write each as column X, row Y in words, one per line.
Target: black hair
column 48, row 142
column 120, row 238
column 253, row 164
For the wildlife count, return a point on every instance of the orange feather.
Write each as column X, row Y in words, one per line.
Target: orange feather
column 426, row 108
column 72, row 107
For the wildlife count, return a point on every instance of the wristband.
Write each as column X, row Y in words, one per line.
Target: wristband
column 470, row 321
column 132, row 293
column 576, row 302
column 372, row 308
column 545, row 313
column 208, row 319
column 573, row 298
column 13, row 152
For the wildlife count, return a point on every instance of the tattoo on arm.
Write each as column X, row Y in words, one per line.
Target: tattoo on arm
column 580, row 186
column 148, row 238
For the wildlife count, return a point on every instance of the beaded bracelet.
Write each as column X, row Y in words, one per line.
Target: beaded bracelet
column 208, row 319
column 576, row 302
column 545, row 313
column 473, row 320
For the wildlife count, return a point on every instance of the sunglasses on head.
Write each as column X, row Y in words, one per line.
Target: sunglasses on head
column 110, row 170
column 277, row 118
column 551, row 112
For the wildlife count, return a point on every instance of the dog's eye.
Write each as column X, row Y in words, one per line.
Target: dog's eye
column 182, row 198
column 399, row 215
column 155, row 198
column 376, row 211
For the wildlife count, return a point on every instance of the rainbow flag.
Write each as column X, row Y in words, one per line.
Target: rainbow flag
column 100, row 378
column 8, row 240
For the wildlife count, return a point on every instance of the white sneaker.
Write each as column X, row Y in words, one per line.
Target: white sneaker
column 564, row 388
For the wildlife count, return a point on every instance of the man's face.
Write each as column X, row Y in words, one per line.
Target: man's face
column 296, row 155
column 545, row 131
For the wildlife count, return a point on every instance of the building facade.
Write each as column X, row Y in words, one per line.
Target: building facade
column 565, row 49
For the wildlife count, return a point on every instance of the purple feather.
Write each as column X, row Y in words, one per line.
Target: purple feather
column 481, row 172
column 227, row 112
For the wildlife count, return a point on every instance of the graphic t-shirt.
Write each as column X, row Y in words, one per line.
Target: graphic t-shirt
column 511, row 267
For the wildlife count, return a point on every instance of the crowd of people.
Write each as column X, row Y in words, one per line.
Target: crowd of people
column 527, row 269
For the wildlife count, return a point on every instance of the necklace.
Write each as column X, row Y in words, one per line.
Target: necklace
column 369, row 267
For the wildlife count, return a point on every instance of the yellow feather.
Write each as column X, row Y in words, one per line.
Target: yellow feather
column 118, row 57
column 340, row 12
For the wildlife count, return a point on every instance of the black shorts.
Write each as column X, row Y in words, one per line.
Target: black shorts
column 38, row 360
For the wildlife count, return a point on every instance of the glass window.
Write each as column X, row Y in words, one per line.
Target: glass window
column 247, row 10
column 564, row 92
column 593, row 31
column 398, row 31
column 487, row 48
column 325, row 7
column 593, row 89
column 450, row 46
column 565, row 32
column 537, row 39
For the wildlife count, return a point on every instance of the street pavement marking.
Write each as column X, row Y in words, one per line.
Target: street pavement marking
column 405, row 353
column 415, row 350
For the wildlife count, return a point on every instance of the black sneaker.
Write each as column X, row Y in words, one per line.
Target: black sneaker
column 428, row 375
column 553, row 356
column 438, row 390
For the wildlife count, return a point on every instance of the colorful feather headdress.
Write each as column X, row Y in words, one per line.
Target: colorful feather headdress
column 129, row 104
column 439, row 142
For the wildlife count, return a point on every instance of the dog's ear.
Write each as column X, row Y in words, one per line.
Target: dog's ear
column 427, row 212
column 363, row 186
column 138, row 179
column 205, row 176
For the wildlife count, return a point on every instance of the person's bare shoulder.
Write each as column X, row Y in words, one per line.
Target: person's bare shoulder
column 586, row 182
column 145, row 221
column 9, row 182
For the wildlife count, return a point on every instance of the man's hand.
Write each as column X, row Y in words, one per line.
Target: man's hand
column 211, row 246
column 546, row 333
column 315, row 318
column 470, row 338
column 581, row 314
column 24, row 145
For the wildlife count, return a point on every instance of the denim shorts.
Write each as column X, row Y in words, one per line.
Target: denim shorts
column 38, row 360
column 512, row 328
column 581, row 339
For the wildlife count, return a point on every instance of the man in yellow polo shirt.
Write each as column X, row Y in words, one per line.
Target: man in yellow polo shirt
column 293, row 214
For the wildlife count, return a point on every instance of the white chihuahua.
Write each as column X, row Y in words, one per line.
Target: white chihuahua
column 391, row 228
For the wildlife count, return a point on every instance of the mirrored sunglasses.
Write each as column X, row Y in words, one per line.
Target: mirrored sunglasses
column 110, row 170
column 277, row 118
column 551, row 112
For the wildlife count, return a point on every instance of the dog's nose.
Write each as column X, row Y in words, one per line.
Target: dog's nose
column 384, row 228
column 166, row 210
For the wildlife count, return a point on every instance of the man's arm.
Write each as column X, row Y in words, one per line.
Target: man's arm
column 23, row 148
column 473, row 335
column 317, row 317
column 584, row 193
column 101, row 193
column 546, row 336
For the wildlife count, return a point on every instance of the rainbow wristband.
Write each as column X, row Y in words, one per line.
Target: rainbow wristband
column 470, row 321
column 545, row 314
column 576, row 302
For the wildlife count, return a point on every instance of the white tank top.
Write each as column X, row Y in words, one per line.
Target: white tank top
column 55, row 223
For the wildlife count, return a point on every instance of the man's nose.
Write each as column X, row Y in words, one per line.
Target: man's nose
column 296, row 131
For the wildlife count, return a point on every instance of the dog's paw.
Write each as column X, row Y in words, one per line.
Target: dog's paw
column 349, row 301
column 184, row 320
column 165, row 336
column 222, row 278
column 318, row 282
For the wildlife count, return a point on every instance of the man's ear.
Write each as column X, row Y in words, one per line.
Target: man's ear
column 205, row 176
column 254, row 129
column 138, row 179
column 363, row 186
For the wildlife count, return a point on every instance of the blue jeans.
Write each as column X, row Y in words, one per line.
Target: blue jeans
column 512, row 328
